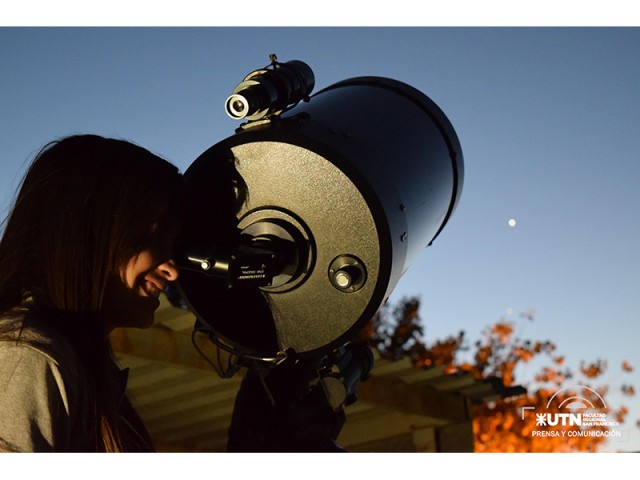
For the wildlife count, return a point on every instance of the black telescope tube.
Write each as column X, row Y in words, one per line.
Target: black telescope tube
column 362, row 176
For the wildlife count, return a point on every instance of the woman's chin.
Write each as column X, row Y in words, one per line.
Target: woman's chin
column 138, row 314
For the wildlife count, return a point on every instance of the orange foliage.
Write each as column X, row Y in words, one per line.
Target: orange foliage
column 502, row 331
column 628, row 389
column 507, row 424
column 550, row 375
column 594, row 369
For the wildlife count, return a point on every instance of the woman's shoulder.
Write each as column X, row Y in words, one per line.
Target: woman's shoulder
column 34, row 339
column 42, row 397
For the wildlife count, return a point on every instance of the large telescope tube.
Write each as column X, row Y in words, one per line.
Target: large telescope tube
column 360, row 178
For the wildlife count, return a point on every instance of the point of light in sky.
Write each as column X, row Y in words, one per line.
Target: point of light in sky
column 512, row 222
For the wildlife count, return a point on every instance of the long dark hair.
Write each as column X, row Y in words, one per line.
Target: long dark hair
column 85, row 207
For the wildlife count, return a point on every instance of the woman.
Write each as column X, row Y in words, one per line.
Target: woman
column 87, row 248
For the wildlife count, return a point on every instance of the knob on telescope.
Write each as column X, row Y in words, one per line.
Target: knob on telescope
column 271, row 90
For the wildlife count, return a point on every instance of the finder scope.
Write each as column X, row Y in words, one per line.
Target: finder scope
column 270, row 90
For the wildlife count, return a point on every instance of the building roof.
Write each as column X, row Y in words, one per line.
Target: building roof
column 187, row 405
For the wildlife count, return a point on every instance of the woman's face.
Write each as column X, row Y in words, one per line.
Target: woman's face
column 132, row 301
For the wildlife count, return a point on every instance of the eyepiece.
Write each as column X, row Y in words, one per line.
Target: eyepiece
column 237, row 106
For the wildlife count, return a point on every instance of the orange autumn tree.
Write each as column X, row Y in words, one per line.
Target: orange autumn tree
column 507, row 424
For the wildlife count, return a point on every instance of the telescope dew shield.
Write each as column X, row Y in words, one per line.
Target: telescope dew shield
column 363, row 176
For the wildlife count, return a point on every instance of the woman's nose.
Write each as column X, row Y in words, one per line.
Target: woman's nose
column 168, row 270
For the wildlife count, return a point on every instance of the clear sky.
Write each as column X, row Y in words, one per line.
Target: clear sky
column 548, row 120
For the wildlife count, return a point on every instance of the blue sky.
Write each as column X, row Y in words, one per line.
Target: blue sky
column 548, row 120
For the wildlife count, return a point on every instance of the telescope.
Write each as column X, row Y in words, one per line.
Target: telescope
column 306, row 217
